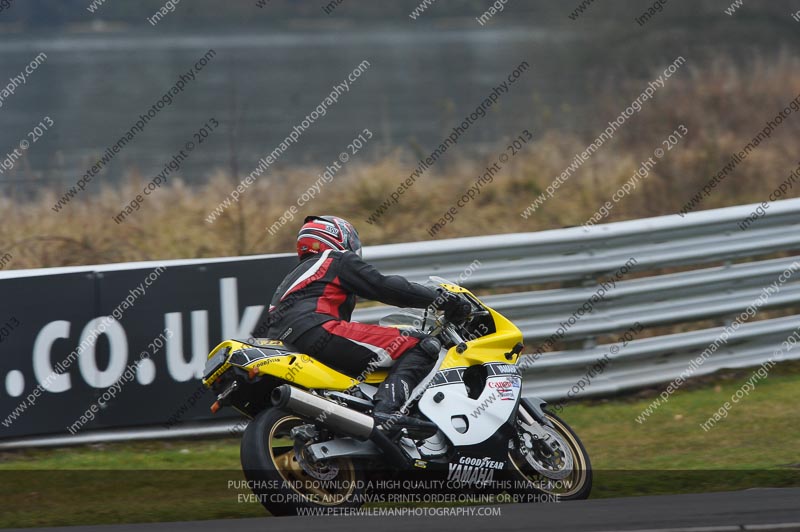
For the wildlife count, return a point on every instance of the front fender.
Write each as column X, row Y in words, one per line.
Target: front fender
column 535, row 406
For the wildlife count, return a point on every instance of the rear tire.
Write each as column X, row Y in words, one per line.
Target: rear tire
column 282, row 483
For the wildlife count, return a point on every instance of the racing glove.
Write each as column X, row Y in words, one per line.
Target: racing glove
column 455, row 306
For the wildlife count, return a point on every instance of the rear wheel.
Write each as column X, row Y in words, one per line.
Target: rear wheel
column 284, row 478
column 556, row 465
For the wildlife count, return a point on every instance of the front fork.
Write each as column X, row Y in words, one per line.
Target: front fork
column 531, row 416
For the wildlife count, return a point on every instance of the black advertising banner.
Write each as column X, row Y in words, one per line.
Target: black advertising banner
column 122, row 347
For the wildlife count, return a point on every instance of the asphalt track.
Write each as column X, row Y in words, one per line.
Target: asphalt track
column 756, row 509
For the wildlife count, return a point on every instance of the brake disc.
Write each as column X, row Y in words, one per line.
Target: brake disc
column 558, row 462
column 317, row 470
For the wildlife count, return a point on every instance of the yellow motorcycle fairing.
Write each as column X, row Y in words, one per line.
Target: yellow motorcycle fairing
column 270, row 357
column 494, row 347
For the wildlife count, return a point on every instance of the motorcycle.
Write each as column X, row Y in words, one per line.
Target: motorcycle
column 312, row 443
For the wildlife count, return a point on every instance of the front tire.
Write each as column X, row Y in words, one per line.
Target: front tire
column 564, row 475
column 285, row 482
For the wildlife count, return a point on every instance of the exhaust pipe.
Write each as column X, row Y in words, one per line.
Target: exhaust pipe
column 329, row 413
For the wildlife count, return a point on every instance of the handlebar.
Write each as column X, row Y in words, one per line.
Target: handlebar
column 448, row 329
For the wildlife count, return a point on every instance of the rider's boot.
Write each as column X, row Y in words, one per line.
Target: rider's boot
column 403, row 377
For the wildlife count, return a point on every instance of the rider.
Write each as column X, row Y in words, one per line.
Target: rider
column 311, row 309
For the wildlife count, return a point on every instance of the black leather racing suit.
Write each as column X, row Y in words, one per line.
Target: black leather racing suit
column 312, row 308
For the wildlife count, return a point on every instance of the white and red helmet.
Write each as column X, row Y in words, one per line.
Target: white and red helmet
column 327, row 232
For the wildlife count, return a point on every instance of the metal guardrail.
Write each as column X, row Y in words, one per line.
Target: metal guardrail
column 580, row 258
column 681, row 296
column 657, row 360
column 584, row 256
column 578, row 253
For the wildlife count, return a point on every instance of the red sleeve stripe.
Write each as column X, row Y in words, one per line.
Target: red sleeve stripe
column 317, row 271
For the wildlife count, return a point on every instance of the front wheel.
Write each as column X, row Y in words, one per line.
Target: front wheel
column 284, row 479
column 556, row 465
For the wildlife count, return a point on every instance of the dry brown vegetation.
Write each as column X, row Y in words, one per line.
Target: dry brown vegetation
column 723, row 106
